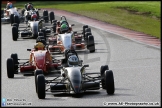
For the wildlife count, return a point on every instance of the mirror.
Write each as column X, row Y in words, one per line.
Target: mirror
column 72, row 24
column 86, row 65
column 28, row 49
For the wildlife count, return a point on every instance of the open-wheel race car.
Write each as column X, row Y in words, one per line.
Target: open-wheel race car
column 75, row 80
column 12, row 17
column 39, row 59
column 72, row 40
column 33, row 29
column 65, row 38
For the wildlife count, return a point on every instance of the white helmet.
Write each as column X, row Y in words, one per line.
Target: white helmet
column 73, row 60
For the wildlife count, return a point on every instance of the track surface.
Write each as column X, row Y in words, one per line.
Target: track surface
column 136, row 69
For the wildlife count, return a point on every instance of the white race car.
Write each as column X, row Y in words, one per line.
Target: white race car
column 13, row 17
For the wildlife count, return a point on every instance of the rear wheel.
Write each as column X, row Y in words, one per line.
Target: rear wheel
column 91, row 44
column 44, row 32
column 37, row 14
column 12, row 19
column 10, row 68
column 109, row 82
column 16, row 19
column 22, row 12
column 37, row 72
column 86, row 36
column 41, row 86
column 14, row 33
column 103, row 68
column 52, row 17
column 45, row 15
column 84, row 27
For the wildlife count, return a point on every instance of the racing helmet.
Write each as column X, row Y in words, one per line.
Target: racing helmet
column 29, row 6
column 64, row 28
column 34, row 17
column 72, row 60
column 41, row 39
column 39, row 46
column 9, row 5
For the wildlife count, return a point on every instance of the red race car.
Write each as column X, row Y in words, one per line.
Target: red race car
column 40, row 61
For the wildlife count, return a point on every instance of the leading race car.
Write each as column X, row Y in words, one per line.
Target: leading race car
column 74, row 80
column 13, row 17
column 39, row 59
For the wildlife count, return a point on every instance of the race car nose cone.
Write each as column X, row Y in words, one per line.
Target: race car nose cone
column 77, row 89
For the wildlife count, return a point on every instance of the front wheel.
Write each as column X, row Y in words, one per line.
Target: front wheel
column 14, row 33
column 41, row 86
column 91, row 44
column 10, row 68
column 52, row 17
column 37, row 72
column 103, row 68
column 109, row 82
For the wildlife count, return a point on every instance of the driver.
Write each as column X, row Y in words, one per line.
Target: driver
column 8, row 6
column 33, row 16
column 73, row 61
column 64, row 28
column 29, row 7
column 39, row 46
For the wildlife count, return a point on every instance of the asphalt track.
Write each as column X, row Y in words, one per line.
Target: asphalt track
column 136, row 67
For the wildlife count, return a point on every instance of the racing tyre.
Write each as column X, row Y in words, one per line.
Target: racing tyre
column 12, row 19
column 109, row 82
column 84, row 27
column 41, row 86
column 54, row 25
column 10, row 68
column 45, row 15
column 37, row 72
column 16, row 19
column 15, row 24
column 22, row 12
column 91, row 44
column 40, row 34
column 52, row 17
column 103, row 68
column 44, row 32
column 14, row 33
column 87, row 30
column 2, row 13
column 37, row 14
column 15, row 60
column 86, row 36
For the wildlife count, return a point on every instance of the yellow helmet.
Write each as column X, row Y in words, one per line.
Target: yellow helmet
column 39, row 46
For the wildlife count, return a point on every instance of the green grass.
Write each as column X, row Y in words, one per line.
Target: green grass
column 142, row 16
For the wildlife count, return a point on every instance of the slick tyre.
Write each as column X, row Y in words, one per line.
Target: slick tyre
column 41, row 86
column 86, row 36
column 88, row 30
column 14, row 33
column 10, row 68
column 37, row 72
column 91, row 44
column 103, row 68
column 84, row 27
column 44, row 32
column 12, row 19
column 52, row 16
column 109, row 82
column 45, row 15
column 16, row 19
column 15, row 60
